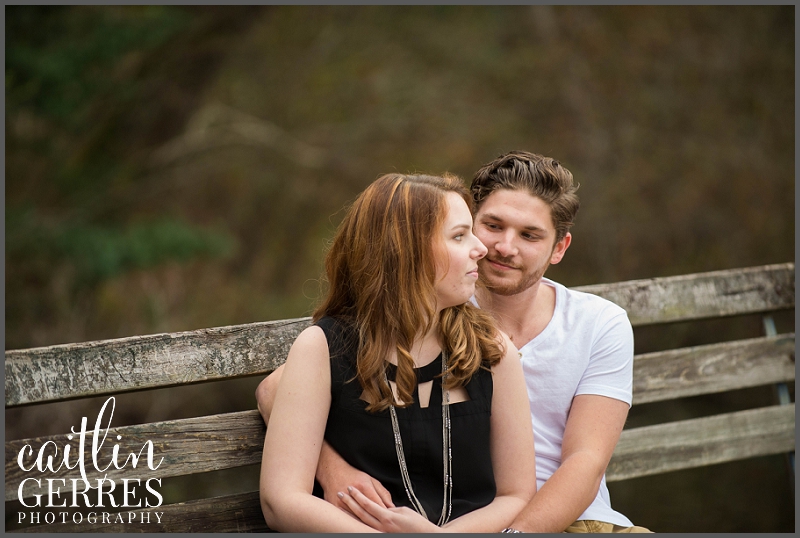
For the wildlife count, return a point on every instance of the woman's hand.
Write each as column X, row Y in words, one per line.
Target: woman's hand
column 402, row 519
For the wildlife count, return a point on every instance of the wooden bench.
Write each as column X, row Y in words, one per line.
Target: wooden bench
column 209, row 443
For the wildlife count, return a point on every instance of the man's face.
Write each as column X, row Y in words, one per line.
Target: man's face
column 517, row 229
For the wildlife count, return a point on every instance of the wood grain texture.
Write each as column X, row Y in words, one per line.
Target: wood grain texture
column 703, row 441
column 235, row 439
column 640, row 452
column 702, row 295
column 666, row 375
column 70, row 371
column 142, row 362
column 188, row 446
column 231, row 513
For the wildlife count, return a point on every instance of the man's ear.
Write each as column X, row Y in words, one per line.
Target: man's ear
column 560, row 248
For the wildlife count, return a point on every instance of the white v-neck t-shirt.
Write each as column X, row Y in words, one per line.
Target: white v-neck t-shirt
column 587, row 348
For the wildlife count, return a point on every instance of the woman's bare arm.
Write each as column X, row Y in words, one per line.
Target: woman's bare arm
column 333, row 472
column 293, row 442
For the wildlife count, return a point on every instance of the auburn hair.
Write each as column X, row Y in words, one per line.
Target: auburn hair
column 381, row 271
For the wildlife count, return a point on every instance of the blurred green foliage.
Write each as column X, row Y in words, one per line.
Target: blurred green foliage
column 102, row 252
column 58, row 60
column 75, row 79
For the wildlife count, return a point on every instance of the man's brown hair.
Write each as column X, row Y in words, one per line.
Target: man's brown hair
column 540, row 176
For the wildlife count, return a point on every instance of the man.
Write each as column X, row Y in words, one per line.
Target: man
column 576, row 349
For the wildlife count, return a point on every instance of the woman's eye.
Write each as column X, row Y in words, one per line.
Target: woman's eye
column 458, row 237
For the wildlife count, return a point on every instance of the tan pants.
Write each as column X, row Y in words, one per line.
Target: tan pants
column 591, row 526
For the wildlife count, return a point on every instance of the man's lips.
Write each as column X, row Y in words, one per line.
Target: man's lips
column 499, row 265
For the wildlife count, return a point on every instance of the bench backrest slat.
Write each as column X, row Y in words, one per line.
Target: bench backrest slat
column 702, row 295
column 703, row 441
column 188, row 446
column 70, row 371
column 677, row 373
column 640, row 452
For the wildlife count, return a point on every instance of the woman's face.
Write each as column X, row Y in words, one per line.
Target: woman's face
column 457, row 255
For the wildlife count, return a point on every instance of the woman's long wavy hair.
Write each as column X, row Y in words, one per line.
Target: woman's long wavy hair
column 381, row 271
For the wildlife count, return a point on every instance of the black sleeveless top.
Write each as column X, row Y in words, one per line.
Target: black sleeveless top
column 366, row 441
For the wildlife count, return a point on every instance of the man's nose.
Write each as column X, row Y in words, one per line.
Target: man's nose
column 505, row 246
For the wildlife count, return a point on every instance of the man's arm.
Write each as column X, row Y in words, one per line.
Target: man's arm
column 594, row 424
column 333, row 473
column 592, row 431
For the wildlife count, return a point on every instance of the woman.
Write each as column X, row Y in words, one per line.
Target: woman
column 402, row 377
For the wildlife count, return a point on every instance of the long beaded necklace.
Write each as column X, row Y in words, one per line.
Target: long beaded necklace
column 447, row 456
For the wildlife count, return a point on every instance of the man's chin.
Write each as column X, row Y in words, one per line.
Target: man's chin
column 500, row 288
column 509, row 288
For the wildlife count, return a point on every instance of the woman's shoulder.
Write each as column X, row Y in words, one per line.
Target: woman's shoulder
column 341, row 335
column 337, row 328
column 335, row 322
column 313, row 336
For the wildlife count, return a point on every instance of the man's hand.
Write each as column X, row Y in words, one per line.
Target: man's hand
column 265, row 393
column 336, row 475
column 384, row 519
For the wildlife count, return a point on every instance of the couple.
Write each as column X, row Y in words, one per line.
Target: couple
column 408, row 405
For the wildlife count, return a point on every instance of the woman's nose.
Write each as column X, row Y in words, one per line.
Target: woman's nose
column 480, row 250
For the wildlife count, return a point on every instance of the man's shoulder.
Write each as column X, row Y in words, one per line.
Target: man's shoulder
column 581, row 303
column 598, row 323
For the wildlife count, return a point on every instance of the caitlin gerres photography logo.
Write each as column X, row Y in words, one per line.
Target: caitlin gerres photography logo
column 64, row 484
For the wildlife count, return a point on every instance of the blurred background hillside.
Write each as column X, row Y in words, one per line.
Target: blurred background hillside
column 174, row 168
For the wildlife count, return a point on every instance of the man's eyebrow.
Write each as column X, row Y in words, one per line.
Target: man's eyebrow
column 492, row 216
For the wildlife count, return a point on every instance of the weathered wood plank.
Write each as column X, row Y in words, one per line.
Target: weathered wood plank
column 704, row 441
column 235, row 439
column 640, row 452
column 140, row 362
column 702, row 295
column 188, row 446
column 231, row 513
column 677, row 373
